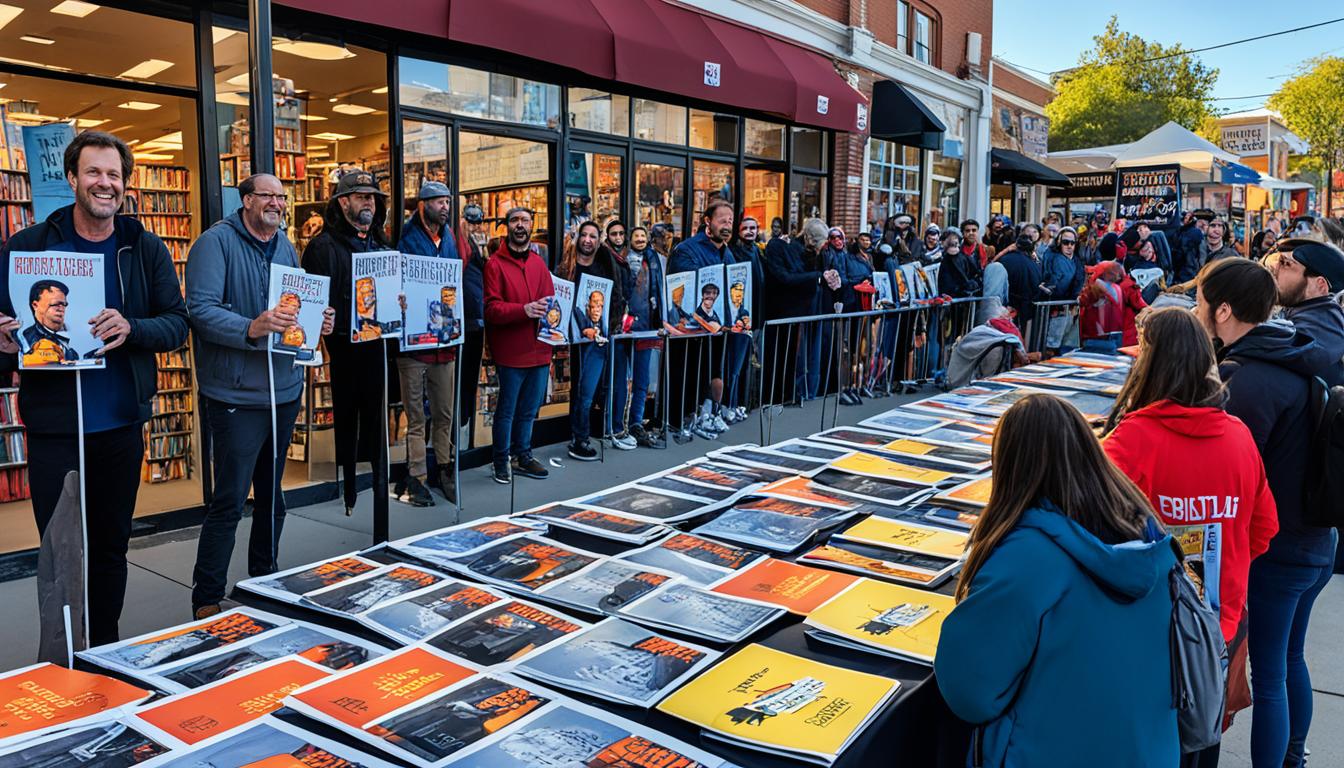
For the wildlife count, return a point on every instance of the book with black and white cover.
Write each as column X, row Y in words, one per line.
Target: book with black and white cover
column 291, row 585
column 617, row 660
column 962, row 434
column 808, row 449
column 525, row 564
column 167, row 648
column 903, row 421
column 728, row 476
column 596, row 522
column 605, row 586
column 763, row 529
column 797, row 507
column 268, row 742
column 764, row 457
column 855, row 437
column 700, row 560
column 648, row 504
column 443, row 545
column 417, row 615
column 927, row 571
column 362, row 594
column 112, row 743
column 503, row 632
column 678, row 485
column 695, row 612
column 880, row 490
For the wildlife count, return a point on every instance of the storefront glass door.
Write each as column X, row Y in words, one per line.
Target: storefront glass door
column 711, row 181
column 807, row 199
column 763, row 198
column 660, row 199
column 592, row 187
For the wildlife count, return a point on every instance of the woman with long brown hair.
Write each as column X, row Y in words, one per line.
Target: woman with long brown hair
column 1058, row 649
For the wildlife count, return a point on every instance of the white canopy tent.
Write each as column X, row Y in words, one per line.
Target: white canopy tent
column 1169, row 144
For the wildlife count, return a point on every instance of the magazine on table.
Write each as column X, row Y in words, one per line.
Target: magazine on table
column 163, row 649
column 434, row 313
column 892, row 492
column 884, row 618
column 54, row 295
column 199, row 714
column 695, row 612
column 595, row 522
column 678, row 485
column 364, row 593
column 415, row 616
column 925, row 571
column 266, row 743
column 857, row 437
column 525, row 564
column 700, row 560
column 566, row 733
column 620, row 661
column 768, row 459
column 375, row 291
column 763, row 529
column 443, row 545
column 960, row 517
column 113, row 743
column 307, row 296
column 648, row 504
column 808, row 449
column 869, row 465
column 553, row 326
column 910, row 537
column 291, row 585
column 959, row 459
column 798, row 589
column 764, row 699
column 790, row 506
column 960, row 434
column 503, row 632
column 42, row 698
column 327, row 647
column 974, row 493
column 725, row 475
column 605, row 586
column 801, row 489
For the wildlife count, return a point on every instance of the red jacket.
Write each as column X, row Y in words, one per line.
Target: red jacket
column 1104, row 311
column 1203, row 474
column 510, row 283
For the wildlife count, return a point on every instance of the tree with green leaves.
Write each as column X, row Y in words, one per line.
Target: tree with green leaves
column 1312, row 106
column 1124, row 88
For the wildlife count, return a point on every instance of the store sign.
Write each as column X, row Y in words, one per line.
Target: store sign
column 1151, row 195
column 712, row 73
column 861, row 120
column 45, row 147
column 823, row 105
column 1244, row 139
column 1092, row 184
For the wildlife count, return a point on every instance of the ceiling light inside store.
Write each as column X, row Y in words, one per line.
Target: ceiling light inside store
column 166, row 141
column 146, row 69
column 219, row 33
column 312, row 49
column 28, row 63
column 139, row 106
column 152, row 156
column 354, row 110
column 312, row 117
column 8, row 13
column 382, row 89
column 74, row 8
column 37, row 39
column 330, row 136
column 88, row 122
column 235, row 99
column 31, row 117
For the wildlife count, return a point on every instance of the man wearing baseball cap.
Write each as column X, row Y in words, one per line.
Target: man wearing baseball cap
column 429, row 372
column 1309, row 273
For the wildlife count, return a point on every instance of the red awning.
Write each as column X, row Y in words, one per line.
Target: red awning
column 422, row 16
column 819, row 100
column 572, row 34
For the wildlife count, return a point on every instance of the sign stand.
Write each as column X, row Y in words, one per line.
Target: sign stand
column 381, row 462
column 83, row 507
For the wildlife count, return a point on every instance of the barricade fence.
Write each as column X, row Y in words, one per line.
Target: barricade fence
column 1052, row 325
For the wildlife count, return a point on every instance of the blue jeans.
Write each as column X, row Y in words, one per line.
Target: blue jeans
column 734, row 374
column 1278, row 603
column 589, row 363
column 521, row 391
column 639, row 384
column 808, row 376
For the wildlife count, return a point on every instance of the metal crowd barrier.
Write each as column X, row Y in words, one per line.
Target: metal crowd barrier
column 1052, row 325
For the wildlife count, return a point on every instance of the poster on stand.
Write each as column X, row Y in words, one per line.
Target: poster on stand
column 433, row 290
column 592, row 302
column 681, row 301
column 738, row 308
column 709, row 299
column 55, row 294
column 375, row 293
column 553, row 325
column 306, row 296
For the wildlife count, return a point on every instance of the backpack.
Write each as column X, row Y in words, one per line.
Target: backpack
column 1324, row 495
column 1198, row 662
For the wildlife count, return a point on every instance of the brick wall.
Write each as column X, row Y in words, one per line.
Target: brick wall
column 955, row 18
column 1011, row 82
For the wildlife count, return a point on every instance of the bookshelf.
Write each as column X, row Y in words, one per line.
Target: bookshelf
column 315, row 413
column 13, row 447
column 16, row 202
column 497, row 202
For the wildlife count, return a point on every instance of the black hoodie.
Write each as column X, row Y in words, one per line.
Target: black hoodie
column 1267, row 373
column 1323, row 320
column 329, row 254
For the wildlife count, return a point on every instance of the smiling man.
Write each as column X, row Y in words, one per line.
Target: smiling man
column 143, row 314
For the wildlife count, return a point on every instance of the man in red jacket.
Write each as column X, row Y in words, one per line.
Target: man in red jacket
column 517, row 285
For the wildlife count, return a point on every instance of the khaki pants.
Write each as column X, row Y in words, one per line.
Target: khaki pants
column 437, row 381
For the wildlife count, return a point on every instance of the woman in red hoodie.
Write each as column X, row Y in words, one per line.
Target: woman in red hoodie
column 1198, row 465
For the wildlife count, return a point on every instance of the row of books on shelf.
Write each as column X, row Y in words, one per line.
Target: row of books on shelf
column 170, row 423
column 14, row 484
column 9, row 409
column 14, row 186
column 288, row 139
column 161, row 177
column 162, row 448
column 147, row 201
column 178, row 249
column 160, row 471
column 178, row 358
column 13, row 446
column 171, row 402
column 291, row 167
column 14, row 218
column 174, row 379
column 165, row 224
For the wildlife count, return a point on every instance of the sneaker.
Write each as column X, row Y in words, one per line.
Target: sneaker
column 501, row 473
column 702, row 428
column 399, row 490
column 623, row 442
column 447, row 484
column 741, row 413
column 417, row 495
column 649, row 439
column 582, row 451
column 528, row 466
column 717, row 424
column 206, row 611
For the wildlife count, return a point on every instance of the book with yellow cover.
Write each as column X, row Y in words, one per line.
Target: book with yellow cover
column 974, row 493
column 968, row 458
column 796, row 588
column 773, row 701
column 875, row 466
column 45, row 697
column 896, row 534
column 883, row 618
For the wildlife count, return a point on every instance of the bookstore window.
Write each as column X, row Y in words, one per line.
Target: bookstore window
column 457, row 90
column 599, row 111
column 764, row 198
column 656, row 121
column 903, row 26
column 714, row 131
column 765, row 140
column 595, row 176
column 893, row 181
column 661, row 201
column 424, row 158
column 809, row 149
column 710, row 181
column 946, row 191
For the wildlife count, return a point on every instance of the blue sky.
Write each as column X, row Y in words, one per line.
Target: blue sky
column 1050, row 34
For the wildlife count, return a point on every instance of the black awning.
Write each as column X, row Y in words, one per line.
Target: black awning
column 902, row 118
column 1009, row 167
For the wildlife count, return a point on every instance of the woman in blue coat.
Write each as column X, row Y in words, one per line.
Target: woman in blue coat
column 1058, row 648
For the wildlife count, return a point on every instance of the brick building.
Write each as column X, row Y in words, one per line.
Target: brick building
column 1019, row 124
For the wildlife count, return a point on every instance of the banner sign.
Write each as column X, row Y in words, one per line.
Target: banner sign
column 1151, row 194
column 1100, row 184
column 45, row 147
column 1244, row 140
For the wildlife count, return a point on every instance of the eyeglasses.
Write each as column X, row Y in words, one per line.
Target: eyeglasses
column 59, row 304
column 620, row 232
column 1068, row 242
column 269, row 196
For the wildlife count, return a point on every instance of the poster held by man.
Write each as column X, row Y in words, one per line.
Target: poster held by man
column 375, row 289
column 305, row 296
column 55, row 296
column 432, row 289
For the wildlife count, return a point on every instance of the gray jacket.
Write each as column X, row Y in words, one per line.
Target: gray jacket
column 228, row 285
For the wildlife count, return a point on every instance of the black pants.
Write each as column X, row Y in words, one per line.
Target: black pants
column 241, row 458
column 358, row 388
column 112, row 478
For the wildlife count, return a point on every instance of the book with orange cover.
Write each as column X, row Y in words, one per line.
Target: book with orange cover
column 974, row 493
column 796, row 588
column 376, row 689
column 44, row 697
column 220, row 707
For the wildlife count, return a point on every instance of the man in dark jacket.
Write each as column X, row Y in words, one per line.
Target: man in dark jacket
column 797, row 282
column 353, row 221
column 1308, row 274
column 646, row 306
column 228, row 278
column 429, row 373
column 707, row 248
column 1267, row 369
column 144, row 315
column 1024, row 277
column 746, row 249
column 588, row 361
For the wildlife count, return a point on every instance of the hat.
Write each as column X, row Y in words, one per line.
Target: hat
column 433, row 189
column 356, row 181
column 473, row 214
column 905, row 216
column 1206, row 214
column 833, row 231
column 1322, row 258
column 932, row 230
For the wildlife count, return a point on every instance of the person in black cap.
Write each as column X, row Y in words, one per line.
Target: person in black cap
column 353, row 221
column 1308, row 274
column 428, row 372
